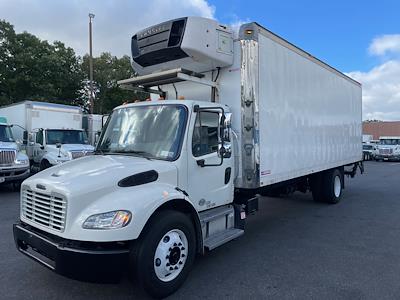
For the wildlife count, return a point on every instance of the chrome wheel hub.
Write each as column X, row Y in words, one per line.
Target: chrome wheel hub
column 171, row 255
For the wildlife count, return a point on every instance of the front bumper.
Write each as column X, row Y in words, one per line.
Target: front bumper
column 14, row 174
column 387, row 157
column 86, row 261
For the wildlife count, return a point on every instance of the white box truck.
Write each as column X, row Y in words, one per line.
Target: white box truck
column 54, row 132
column 172, row 178
column 14, row 163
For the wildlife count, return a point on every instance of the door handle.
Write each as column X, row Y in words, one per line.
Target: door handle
column 201, row 162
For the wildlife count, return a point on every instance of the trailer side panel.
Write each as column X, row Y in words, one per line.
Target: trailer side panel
column 309, row 115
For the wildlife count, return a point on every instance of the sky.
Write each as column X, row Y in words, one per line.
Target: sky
column 360, row 38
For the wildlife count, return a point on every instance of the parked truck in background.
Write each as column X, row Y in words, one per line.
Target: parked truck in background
column 53, row 132
column 14, row 164
column 93, row 124
column 388, row 148
column 173, row 178
column 369, row 151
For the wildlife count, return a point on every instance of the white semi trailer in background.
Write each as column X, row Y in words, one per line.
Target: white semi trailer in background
column 93, row 124
column 53, row 132
column 14, row 164
column 172, row 178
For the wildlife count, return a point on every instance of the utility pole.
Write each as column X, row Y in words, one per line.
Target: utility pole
column 91, row 100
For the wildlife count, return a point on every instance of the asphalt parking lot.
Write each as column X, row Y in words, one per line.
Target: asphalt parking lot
column 293, row 248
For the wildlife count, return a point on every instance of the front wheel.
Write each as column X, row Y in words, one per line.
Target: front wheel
column 165, row 253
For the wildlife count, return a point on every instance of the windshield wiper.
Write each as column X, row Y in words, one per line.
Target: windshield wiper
column 100, row 151
column 135, row 153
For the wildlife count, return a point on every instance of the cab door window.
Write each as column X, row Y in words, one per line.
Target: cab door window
column 205, row 134
column 39, row 137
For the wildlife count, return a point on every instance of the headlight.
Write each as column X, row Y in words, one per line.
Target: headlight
column 21, row 161
column 109, row 220
column 66, row 154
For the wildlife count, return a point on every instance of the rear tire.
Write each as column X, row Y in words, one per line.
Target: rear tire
column 327, row 186
column 165, row 253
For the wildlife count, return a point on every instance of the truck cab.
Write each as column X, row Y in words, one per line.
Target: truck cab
column 48, row 147
column 388, row 148
column 14, row 164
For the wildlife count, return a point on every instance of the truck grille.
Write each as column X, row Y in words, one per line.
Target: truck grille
column 7, row 157
column 385, row 151
column 77, row 154
column 44, row 209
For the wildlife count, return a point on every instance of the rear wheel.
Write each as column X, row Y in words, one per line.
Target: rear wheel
column 165, row 253
column 327, row 186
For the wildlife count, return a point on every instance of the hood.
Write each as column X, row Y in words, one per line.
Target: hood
column 99, row 174
column 8, row 146
column 74, row 147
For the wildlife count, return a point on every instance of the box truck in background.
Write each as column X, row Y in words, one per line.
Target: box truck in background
column 172, row 178
column 14, row 163
column 55, row 133
column 93, row 124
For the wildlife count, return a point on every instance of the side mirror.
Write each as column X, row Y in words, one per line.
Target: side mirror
column 58, row 145
column 226, row 129
column 222, row 151
column 30, row 138
column 25, row 138
column 42, row 147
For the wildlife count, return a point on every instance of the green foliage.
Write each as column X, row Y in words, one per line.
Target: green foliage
column 37, row 70
column 107, row 70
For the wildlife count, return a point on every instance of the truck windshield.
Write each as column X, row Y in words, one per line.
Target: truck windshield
column 390, row 142
column 65, row 136
column 6, row 134
column 152, row 131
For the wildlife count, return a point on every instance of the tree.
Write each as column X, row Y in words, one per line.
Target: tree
column 36, row 70
column 7, row 40
column 107, row 70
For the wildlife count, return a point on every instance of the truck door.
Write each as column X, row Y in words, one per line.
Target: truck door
column 38, row 147
column 210, row 179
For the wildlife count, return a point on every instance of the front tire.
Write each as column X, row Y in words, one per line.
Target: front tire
column 165, row 253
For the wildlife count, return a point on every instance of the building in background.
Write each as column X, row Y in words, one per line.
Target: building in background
column 381, row 128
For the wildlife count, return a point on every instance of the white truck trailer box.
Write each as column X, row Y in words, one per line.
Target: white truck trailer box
column 294, row 114
column 45, row 123
column 171, row 178
column 93, row 124
column 34, row 115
